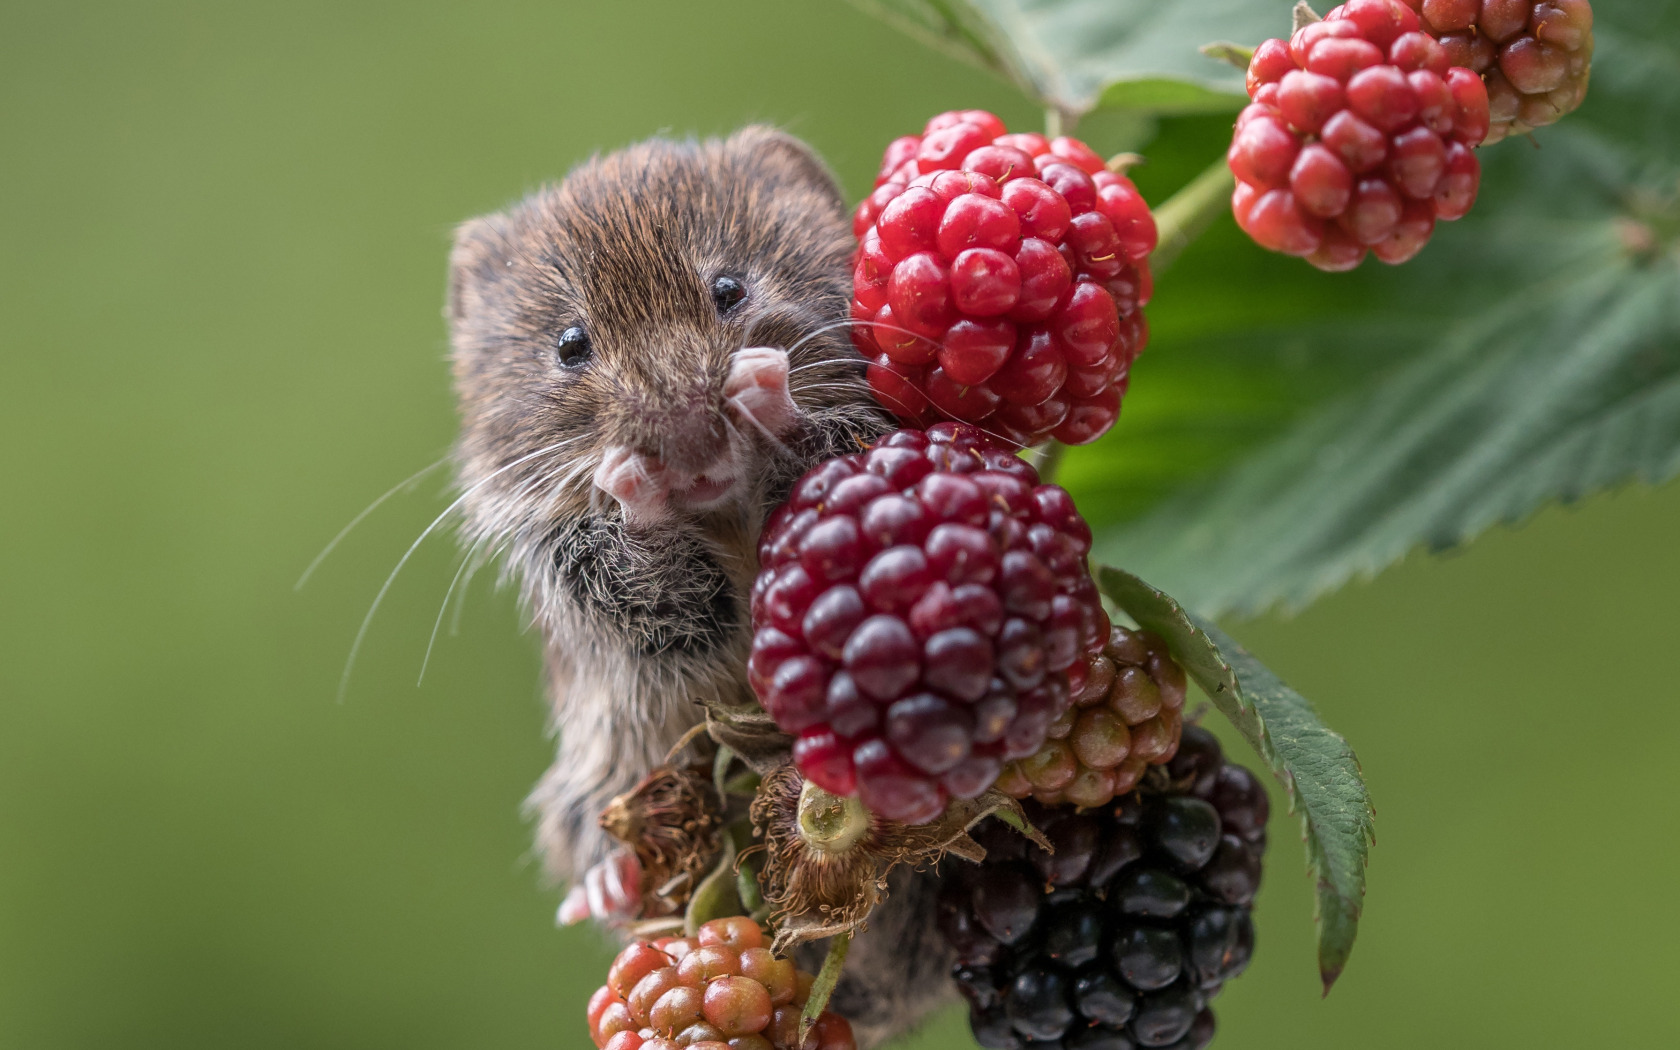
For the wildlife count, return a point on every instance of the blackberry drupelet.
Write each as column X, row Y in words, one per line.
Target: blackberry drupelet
column 721, row 989
column 1121, row 936
column 1536, row 58
column 1359, row 138
column 1126, row 719
column 923, row 613
column 1001, row 280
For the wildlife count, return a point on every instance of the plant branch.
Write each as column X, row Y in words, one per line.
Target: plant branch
column 1188, row 213
column 1046, row 459
column 823, row 987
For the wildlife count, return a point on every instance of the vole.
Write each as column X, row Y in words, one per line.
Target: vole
column 646, row 357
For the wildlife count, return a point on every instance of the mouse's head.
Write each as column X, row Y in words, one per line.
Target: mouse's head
column 645, row 337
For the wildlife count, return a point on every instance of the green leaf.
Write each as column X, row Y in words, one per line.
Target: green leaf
column 1288, row 431
column 718, row 895
column 1565, row 388
column 1078, row 55
column 1316, row 767
column 1167, row 97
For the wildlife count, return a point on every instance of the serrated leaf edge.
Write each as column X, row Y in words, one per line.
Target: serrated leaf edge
column 1337, row 909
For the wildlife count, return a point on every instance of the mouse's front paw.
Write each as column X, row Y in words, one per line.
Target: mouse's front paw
column 609, row 892
column 640, row 484
column 757, row 389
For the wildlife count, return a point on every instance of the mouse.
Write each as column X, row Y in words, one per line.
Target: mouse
column 647, row 355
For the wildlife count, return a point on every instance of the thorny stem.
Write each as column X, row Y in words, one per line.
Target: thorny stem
column 1188, row 213
column 823, row 986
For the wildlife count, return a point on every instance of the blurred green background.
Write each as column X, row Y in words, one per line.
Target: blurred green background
column 222, row 240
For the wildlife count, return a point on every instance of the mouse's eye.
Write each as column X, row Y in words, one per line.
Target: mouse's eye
column 573, row 349
column 727, row 293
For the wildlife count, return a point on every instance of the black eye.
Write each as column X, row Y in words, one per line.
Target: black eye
column 573, row 349
column 727, row 292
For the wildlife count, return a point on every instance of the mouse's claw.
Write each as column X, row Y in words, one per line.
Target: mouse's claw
column 757, row 388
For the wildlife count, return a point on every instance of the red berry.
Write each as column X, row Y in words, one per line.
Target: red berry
column 985, row 254
column 1535, row 57
column 728, row 991
column 924, row 606
column 1128, row 716
column 1355, row 120
column 974, row 350
column 633, row 964
column 984, row 283
column 737, row 932
column 826, row 759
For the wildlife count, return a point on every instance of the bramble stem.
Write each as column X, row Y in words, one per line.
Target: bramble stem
column 1188, row 213
column 823, row 986
column 1046, row 458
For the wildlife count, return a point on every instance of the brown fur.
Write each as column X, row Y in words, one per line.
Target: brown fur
column 642, row 622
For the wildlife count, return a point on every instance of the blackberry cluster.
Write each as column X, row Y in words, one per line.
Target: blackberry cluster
column 722, row 989
column 1120, row 937
column 923, row 613
column 1535, row 57
column 1000, row 280
column 1360, row 137
column 1126, row 719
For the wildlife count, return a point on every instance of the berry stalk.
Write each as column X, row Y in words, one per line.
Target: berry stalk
column 823, row 986
column 1185, row 216
column 1188, row 213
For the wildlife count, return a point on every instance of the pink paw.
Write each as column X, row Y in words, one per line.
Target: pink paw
column 610, row 892
column 757, row 388
column 639, row 483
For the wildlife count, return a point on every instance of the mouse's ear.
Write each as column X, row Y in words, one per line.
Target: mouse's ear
column 777, row 153
column 474, row 262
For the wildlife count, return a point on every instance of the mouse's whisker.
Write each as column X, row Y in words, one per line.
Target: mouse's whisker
column 843, row 390
column 856, row 363
column 788, row 317
column 766, row 431
column 367, row 621
column 820, row 330
column 402, row 486
column 899, row 329
column 485, row 557
column 443, row 607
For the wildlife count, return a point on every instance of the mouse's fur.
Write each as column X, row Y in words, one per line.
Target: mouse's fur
column 643, row 618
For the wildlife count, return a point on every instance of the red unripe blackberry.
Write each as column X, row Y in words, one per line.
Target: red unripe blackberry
column 721, row 988
column 1536, row 58
column 1121, row 935
column 1359, row 138
column 1000, row 280
column 923, row 614
column 1126, row 719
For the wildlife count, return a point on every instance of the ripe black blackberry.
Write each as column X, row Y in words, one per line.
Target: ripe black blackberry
column 1120, row 937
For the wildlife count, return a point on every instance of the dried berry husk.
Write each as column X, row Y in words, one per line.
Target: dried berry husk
column 827, row 858
column 672, row 821
column 741, row 724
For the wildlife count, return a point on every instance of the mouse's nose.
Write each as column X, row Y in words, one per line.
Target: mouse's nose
column 677, row 426
column 687, row 437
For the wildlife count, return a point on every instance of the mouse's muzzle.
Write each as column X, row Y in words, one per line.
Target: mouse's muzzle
column 694, row 466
